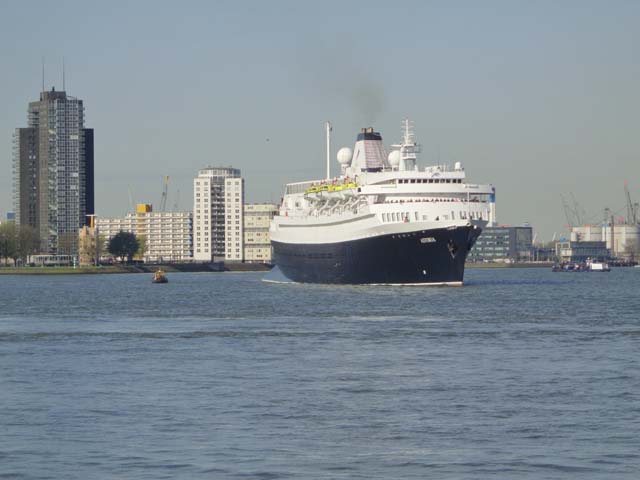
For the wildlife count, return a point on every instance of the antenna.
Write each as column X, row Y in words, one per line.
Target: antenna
column 43, row 73
column 63, row 82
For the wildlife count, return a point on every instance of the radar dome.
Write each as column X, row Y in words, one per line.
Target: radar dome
column 394, row 158
column 344, row 155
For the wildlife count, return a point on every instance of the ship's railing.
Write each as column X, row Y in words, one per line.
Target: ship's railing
column 292, row 188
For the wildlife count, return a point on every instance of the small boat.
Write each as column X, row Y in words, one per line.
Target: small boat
column 588, row 266
column 160, row 277
column 598, row 267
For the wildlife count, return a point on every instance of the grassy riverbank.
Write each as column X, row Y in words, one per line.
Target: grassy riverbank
column 62, row 270
column 138, row 268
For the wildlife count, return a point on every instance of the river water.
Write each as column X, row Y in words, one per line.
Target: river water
column 521, row 373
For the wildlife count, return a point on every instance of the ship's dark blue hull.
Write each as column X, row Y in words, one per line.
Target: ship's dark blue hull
column 434, row 256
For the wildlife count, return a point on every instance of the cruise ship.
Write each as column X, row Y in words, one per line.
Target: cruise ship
column 383, row 220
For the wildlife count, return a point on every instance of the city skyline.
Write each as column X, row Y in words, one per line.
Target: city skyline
column 537, row 99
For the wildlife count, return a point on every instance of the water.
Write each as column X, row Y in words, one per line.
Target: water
column 522, row 373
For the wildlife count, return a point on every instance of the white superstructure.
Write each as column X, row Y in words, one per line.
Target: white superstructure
column 379, row 194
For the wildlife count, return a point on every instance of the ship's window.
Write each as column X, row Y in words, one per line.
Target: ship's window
column 417, row 217
column 413, row 180
column 453, row 217
column 425, row 217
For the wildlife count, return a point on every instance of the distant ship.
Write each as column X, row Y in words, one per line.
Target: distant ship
column 382, row 221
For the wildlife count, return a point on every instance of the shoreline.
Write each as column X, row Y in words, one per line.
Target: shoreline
column 510, row 265
column 217, row 267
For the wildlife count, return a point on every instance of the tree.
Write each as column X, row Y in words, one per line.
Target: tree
column 142, row 248
column 123, row 245
column 632, row 249
column 8, row 241
column 68, row 243
column 28, row 242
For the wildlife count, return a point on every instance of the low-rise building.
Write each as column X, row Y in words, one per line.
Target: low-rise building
column 580, row 252
column 257, row 242
column 623, row 241
column 167, row 236
column 502, row 243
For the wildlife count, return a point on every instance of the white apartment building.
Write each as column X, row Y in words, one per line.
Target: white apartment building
column 168, row 235
column 209, row 217
column 257, row 243
column 234, row 223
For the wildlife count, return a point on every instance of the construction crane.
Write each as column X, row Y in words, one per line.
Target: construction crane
column 632, row 208
column 165, row 193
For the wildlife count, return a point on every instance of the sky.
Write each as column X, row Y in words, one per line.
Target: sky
column 540, row 99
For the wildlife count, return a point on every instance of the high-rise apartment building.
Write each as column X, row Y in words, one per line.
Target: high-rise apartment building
column 53, row 171
column 234, row 223
column 209, row 211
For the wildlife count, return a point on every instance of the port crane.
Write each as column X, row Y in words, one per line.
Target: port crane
column 632, row 208
column 574, row 213
column 165, row 192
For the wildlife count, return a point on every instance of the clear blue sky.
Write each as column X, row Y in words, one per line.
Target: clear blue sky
column 538, row 98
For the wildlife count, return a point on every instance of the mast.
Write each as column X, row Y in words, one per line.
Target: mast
column 408, row 147
column 327, row 125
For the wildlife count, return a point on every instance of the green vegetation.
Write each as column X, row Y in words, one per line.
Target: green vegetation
column 142, row 247
column 64, row 270
column 17, row 242
column 124, row 245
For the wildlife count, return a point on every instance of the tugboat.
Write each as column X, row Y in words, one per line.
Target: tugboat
column 160, row 277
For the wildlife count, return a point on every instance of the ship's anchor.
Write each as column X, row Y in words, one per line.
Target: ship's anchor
column 453, row 248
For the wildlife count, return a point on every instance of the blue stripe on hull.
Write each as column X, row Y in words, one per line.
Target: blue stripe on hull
column 424, row 256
